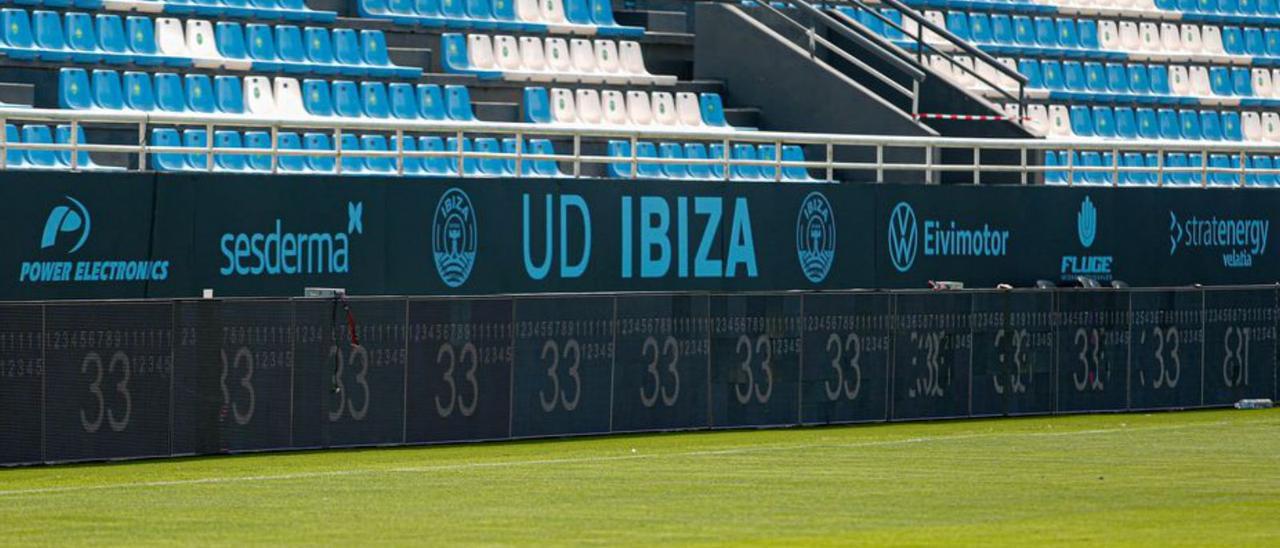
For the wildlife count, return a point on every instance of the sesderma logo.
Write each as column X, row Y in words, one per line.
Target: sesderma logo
column 283, row 252
column 66, row 231
column 941, row 238
column 1239, row 239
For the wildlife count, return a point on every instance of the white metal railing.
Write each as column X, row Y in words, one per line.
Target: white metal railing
column 1020, row 156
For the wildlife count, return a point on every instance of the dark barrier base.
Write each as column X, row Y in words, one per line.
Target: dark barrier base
column 129, row 379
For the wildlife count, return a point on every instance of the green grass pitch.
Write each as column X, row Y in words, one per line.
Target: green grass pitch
column 1195, row 478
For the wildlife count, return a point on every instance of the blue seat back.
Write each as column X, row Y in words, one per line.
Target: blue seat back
column 1148, row 124
column 454, row 9
column 1159, row 78
column 431, row 8
column 17, row 28
column 1210, row 125
column 1233, row 40
column 505, row 10
column 696, row 151
column 1081, row 121
column 346, row 99
column 62, row 135
column 407, row 143
column 1087, row 34
column 141, row 34
column 230, row 96
column 1231, row 130
column 199, row 92
column 80, row 32
column 1001, row 28
column 1051, row 71
column 980, row 28
column 196, row 139
column 1031, row 69
column 1189, row 121
column 1170, row 127
column 482, row 10
column 289, row 44
column 167, row 161
column 374, row 44
column 1271, row 36
column 469, row 165
column 1117, row 78
column 545, row 168
column 1223, row 162
column 111, row 37
column 455, row 51
column 403, row 101
column 1126, row 123
column 1046, row 32
column 715, row 151
column 346, row 47
column 1073, row 76
column 1138, row 79
column 712, row 109
column 316, row 97
column 958, row 24
column 458, row 103
column 374, row 96
column 319, row 47
column 1254, row 44
column 376, row 143
column 319, row 141
column 48, row 35
column 648, row 170
column 509, row 165
column 619, row 149
column 673, row 151
column 1104, row 124
column 74, row 92
column 1220, row 80
column 351, row 165
column 138, row 92
column 170, row 96
column 1241, row 82
column 262, row 46
column 230, row 38
column 431, row 102
column 288, row 140
column 537, row 105
column 1067, row 33
column 794, row 153
column 493, row 167
column 770, row 153
column 259, row 140
column 1134, row 177
column 1024, row 31
column 743, row 151
column 107, row 93
column 1096, row 77
column 226, row 160
column 436, row 165
column 1176, row 160
column 1263, row 162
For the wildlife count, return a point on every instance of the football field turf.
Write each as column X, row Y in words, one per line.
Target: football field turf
column 1190, row 478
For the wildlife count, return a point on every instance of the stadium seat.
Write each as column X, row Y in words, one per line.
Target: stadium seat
column 346, row 99
column 437, row 165
column 74, row 92
column 258, row 140
column 430, row 102
column 537, row 106
column 458, row 103
column 139, row 94
column 350, row 161
column 745, row 172
column 107, row 93
column 374, row 100
column 316, row 97
column 470, row 167
column 224, row 161
column 376, row 164
column 196, row 139
column 490, row 167
column 229, row 97
column 82, row 40
column 167, row 161
column 410, row 165
column 673, row 151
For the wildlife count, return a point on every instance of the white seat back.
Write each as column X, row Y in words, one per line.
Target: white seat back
column 558, row 59
column 589, row 107
column 1199, row 76
column 1275, row 82
column 1129, row 36
column 1262, row 83
column 1059, row 121
column 1271, row 126
column 1170, row 38
column 615, row 108
column 1191, row 41
column 937, row 18
column 688, row 109
column 563, row 109
column 170, row 40
column 607, row 57
column 288, row 97
column 529, row 11
column 639, row 109
column 531, row 57
column 552, row 11
column 507, row 51
column 200, row 39
column 1038, row 118
column 1179, row 80
column 632, row 59
column 480, row 52
column 1108, row 35
column 664, row 109
column 1150, row 34
column 1004, row 80
column 1211, row 39
column 258, row 98
column 584, row 57
column 1251, row 122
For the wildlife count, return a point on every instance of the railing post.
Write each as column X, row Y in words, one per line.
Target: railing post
column 879, row 163
column 1115, row 167
column 777, row 154
column 4, row 144
column 275, row 149
column 208, row 147
column 725, row 160
column 977, row 165
column 142, row 146
column 399, row 152
column 519, row 154
column 635, row 165
column 1022, row 152
column 1160, row 168
column 337, row 147
column 1243, row 163
column 461, row 157
column 1204, row 168
column 831, row 160
column 75, row 142
column 928, row 164
column 1071, row 166
column 577, row 156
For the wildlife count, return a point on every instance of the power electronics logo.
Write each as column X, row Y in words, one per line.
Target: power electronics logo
column 454, row 237
column 941, row 238
column 1097, row 267
column 284, row 250
column 66, row 231
column 816, row 237
column 1238, row 240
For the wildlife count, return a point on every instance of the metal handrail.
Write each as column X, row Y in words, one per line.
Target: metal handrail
column 830, row 144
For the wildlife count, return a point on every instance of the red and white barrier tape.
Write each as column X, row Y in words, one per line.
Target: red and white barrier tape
column 969, row 117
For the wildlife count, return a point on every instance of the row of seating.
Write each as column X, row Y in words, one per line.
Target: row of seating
column 259, row 96
column 531, row 59
column 1148, row 169
column 636, row 108
column 1081, row 121
column 258, row 47
column 266, row 10
column 439, row 166
column 700, row 171
column 1230, row 11
column 46, row 159
column 1152, row 84
column 581, row 17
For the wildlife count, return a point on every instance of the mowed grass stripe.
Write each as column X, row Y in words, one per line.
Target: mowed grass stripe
column 1170, row 478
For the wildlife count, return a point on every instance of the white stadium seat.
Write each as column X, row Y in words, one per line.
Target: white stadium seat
column 615, row 108
column 288, row 95
column 589, row 111
column 563, row 109
column 258, row 97
column 584, row 61
column 638, row 108
column 689, row 110
column 664, row 109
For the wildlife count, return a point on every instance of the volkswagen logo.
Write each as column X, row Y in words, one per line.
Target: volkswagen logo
column 903, row 236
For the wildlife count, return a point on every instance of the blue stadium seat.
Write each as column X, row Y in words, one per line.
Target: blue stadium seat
column 1118, row 82
column 958, row 24
column 141, row 41
column 470, row 167
column 480, row 12
column 238, row 8
column 375, row 143
column 167, row 161
column 545, row 168
column 199, row 93
column 1241, row 82
column 346, row 99
column 111, row 45
column 1231, row 130
column 526, row 165
column 1131, row 160
column 374, row 98
column 1081, row 121
column 39, row 134
column 1139, row 83
column 196, row 139
column 454, row 13
column 81, row 38
column 1126, row 123
column 1170, row 127
column 1051, row 72
column 504, row 12
column 1024, row 31
column 619, row 149
column 1176, row 160
column 1158, row 75
column 262, row 46
column 1220, row 81
column 490, row 167
column 1031, row 69
column 1148, row 124
column 1233, row 40
column 745, row 172
column 712, row 110
column 319, row 50
column 408, row 143
column 402, row 101
column 715, row 151
column 229, row 97
column 316, row 98
column 673, row 151
column 260, row 140
column 1087, row 32
column 74, row 92
column 537, row 105
column 351, row 163
column 1096, row 78
column 138, row 92
column 107, row 93
column 321, row 142
column 431, row 101
column 980, row 28
column 1254, row 44
column 438, row 165
column 62, row 135
column 224, row 161
column 1054, row 176
column 1104, row 124
column 697, row 151
column 1073, row 77
column 170, row 96
column 49, row 38
column 1271, row 37
column 1210, row 125
column 602, row 15
column 288, row 140
column 347, row 54
column 455, row 60
column 794, row 153
column 18, row 42
column 1046, row 32
column 374, row 45
column 231, row 45
column 1223, row 162
column 458, row 103
column 1001, row 29
column 1067, row 33
column 1262, row 179
column 290, row 51
column 648, row 170
column 770, row 153
column 1189, row 120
